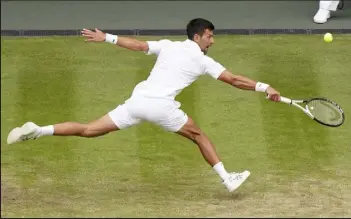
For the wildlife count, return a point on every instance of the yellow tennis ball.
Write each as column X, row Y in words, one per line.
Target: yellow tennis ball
column 328, row 37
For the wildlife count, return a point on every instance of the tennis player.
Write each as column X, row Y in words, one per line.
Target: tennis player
column 178, row 65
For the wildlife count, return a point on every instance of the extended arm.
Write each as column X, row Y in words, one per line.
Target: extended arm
column 245, row 83
column 124, row 42
column 238, row 81
column 217, row 71
column 132, row 44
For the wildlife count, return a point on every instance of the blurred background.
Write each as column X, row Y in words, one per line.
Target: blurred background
column 131, row 16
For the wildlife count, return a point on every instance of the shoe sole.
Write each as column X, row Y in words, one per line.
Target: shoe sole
column 246, row 174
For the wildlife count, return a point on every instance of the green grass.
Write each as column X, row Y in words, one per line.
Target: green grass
column 299, row 168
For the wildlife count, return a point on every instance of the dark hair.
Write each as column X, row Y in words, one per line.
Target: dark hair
column 198, row 26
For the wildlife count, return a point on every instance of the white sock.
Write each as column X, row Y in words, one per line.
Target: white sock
column 219, row 168
column 47, row 130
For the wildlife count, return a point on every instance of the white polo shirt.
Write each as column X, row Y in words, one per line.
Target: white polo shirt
column 178, row 64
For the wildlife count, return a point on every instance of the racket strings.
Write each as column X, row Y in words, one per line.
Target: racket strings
column 325, row 112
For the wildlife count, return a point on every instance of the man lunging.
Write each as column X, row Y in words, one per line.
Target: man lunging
column 178, row 65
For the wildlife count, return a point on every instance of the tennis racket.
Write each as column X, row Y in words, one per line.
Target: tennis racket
column 321, row 110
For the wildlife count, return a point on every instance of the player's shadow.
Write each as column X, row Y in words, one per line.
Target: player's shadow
column 236, row 196
column 339, row 16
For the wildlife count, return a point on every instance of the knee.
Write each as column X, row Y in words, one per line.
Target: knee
column 191, row 131
column 195, row 134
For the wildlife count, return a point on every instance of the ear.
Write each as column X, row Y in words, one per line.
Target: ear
column 196, row 37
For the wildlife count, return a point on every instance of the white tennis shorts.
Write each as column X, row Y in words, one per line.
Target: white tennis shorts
column 162, row 112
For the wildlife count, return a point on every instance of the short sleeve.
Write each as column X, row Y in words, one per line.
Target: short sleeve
column 213, row 68
column 156, row 46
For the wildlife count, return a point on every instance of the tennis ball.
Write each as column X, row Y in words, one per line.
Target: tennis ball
column 328, row 37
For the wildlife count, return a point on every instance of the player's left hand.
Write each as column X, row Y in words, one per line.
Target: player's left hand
column 272, row 94
column 91, row 36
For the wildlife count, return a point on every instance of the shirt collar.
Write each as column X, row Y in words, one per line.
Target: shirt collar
column 193, row 44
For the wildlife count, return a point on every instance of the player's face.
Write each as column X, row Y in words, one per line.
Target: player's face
column 205, row 41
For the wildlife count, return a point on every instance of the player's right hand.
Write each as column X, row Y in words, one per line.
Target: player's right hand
column 272, row 94
column 91, row 36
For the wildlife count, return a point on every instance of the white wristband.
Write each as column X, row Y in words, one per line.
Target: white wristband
column 261, row 87
column 111, row 38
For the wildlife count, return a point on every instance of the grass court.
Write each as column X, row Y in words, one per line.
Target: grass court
column 298, row 167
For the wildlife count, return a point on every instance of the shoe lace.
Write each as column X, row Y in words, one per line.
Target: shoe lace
column 237, row 176
column 24, row 138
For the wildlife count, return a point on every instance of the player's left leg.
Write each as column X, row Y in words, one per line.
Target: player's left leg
column 231, row 180
column 178, row 122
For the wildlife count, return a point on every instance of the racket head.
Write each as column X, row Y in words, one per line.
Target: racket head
column 325, row 111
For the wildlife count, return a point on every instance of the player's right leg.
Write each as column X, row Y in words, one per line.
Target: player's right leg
column 30, row 130
column 191, row 131
column 116, row 119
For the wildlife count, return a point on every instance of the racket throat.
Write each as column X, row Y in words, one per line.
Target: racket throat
column 308, row 112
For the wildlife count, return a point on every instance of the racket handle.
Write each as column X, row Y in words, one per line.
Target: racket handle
column 285, row 100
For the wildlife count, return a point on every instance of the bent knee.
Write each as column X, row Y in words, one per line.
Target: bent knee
column 195, row 134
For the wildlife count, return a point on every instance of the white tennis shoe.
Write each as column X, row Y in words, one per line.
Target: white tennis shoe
column 27, row 132
column 321, row 16
column 235, row 180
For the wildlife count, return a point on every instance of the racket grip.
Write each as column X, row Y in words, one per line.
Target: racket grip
column 285, row 100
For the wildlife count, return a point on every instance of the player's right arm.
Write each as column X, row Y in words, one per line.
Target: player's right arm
column 149, row 47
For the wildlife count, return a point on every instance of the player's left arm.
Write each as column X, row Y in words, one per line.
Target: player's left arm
column 217, row 71
column 246, row 83
column 238, row 81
